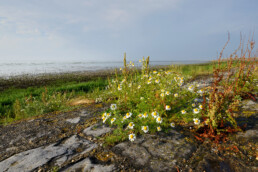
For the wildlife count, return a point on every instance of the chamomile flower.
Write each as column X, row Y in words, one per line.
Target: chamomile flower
column 150, row 78
column 149, row 82
column 145, row 129
column 200, row 106
column 104, row 119
column 176, row 95
column 140, row 61
column 168, row 107
column 132, row 137
column 196, row 121
column 112, row 120
column 190, row 88
column 113, row 107
column 159, row 74
column 119, row 87
column 154, row 72
column 195, row 110
column 140, row 115
column 172, row 124
column 162, row 90
column 159, row 120
column 124, row 118
column 158, row 128
column 104, row 115
column 155, row 114
column 200, row 91
column 141, row 98
column 157, row 81
column 145, row 115
column 162, row 95
column 167, row 93
column 193, row 104
column 183, row 111
column 139, row 86
column 108, row 115
column 128, row 114
column 131, row 125
column 130, row 85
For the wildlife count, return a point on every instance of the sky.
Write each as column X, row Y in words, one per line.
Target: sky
column 102, row 30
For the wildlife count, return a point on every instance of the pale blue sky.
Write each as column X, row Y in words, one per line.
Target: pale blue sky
column 96, row 30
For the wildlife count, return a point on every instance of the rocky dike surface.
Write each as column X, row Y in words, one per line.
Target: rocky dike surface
column 73, row 141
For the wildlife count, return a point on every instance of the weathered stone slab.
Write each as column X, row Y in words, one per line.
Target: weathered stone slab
column 34, row 158
column 96, row 130
column 87, row 166
column 74, row 120
column 157, row 153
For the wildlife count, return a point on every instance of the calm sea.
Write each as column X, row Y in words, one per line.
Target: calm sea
column 14, row 69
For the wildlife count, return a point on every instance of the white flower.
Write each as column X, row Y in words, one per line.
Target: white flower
column 145, row 129
column 128, row 114
column 190, row 88
column 145, row 115
column 157, row 81
column 172, row 124
column 162, row 90
column 108, row 115
column 162, row 95
column 113, row 120
column 142, row 98
column 195, row 110
column 168, row 107
column 113, row 107
column 149, row 82
column 104, row 115
column 131, row 125
column 119, row 87
column 140, row 115
column 158, row 128
column 155, row 114
column 193, row 105
column 200, row 106
column 196, row 121
column 167, row 93
column 132, row 137
column 183, row 111
column 159, row 120
column 200, row 91
column 154, row 72
column 139, row 86
column 176, row 95
column 104, row 119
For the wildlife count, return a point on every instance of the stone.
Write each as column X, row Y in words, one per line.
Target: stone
column 87, row 166
column 136, row 153
column 96, row 130
column 156, row 153
column 74, row 120
column 34, row 158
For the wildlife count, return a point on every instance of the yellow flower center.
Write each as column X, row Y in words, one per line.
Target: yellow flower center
column 130, row 124
column 131, row 136
column 145, row 128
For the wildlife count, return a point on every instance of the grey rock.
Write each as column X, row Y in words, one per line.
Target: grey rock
column 136, row 153
column 34, row 158
column 96, row 130
column 74, row 120
column 250, row 105
column 157, row 153
column 87, row 166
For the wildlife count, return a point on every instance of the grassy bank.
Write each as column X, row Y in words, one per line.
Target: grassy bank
column 46, row 94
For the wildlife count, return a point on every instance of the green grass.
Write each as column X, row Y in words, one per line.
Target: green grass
column 32, row 99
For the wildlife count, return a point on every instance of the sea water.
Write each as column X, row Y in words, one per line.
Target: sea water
column 8, row 69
